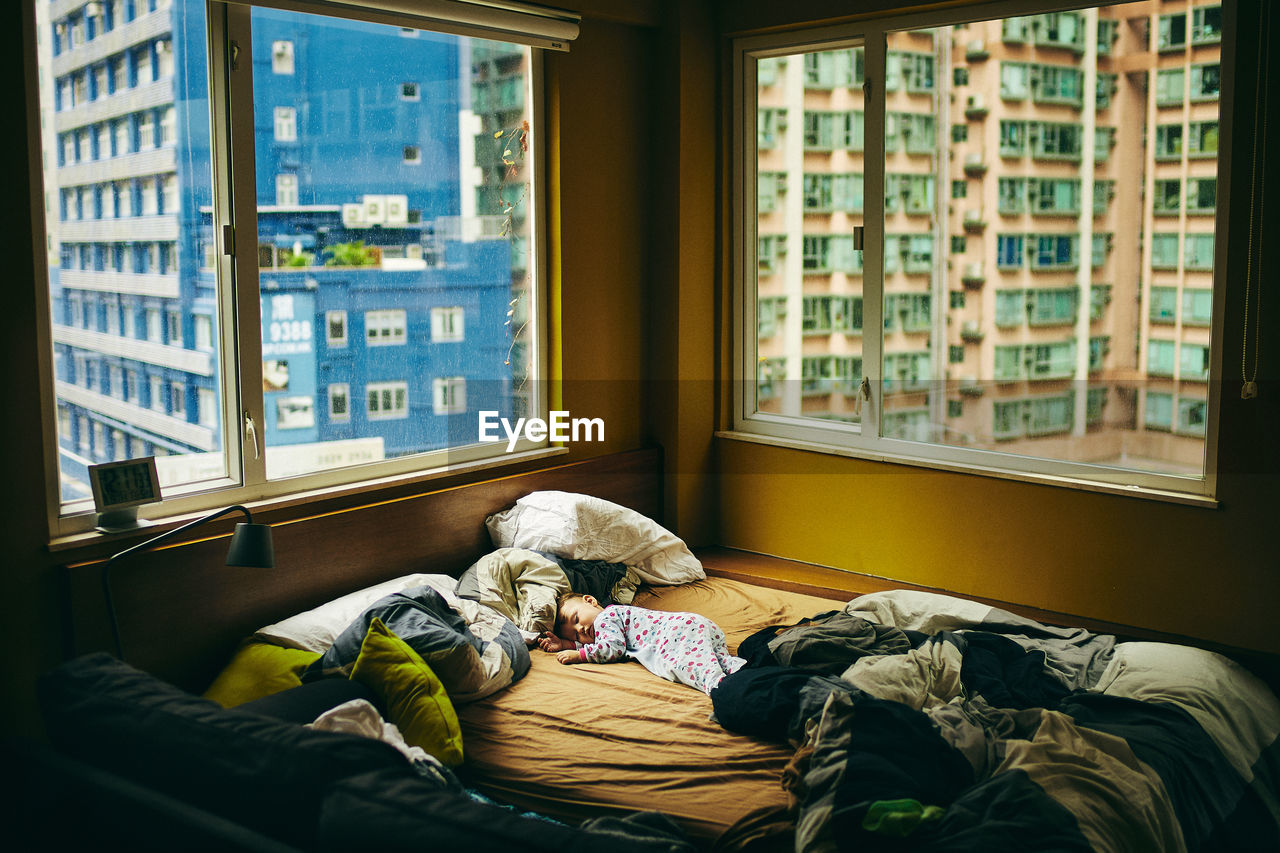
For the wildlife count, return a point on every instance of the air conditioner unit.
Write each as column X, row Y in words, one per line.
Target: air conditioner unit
column 353, row 216
column 375, row 209
column 397, row 210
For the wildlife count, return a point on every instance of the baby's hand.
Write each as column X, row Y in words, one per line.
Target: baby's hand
column 549, row 642
column 569, row 656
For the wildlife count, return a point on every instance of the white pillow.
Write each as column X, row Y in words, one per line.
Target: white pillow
column 315, row 630
column 581, row 527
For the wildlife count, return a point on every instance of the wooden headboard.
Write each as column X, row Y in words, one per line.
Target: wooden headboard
column 182, row 611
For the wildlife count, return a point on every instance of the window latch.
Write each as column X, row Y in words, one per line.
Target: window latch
column 866, row 388
column 251, row 433
column 228, row 240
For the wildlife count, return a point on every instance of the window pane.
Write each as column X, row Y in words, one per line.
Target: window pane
column 808, row 285
column 388, row 211
column 134, row 315
column 1057, row 216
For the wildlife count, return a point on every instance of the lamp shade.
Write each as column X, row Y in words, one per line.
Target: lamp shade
column 251, row 546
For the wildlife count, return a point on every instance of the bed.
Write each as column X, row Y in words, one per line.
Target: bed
column 895, row 719
column 899, row 719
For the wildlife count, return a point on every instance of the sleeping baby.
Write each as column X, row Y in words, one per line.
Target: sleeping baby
column 683, row 647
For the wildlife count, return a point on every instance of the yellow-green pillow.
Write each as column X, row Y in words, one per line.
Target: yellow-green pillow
column 414, row 699
column 257, row 670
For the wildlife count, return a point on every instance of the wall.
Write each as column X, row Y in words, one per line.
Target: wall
column 1207, row 573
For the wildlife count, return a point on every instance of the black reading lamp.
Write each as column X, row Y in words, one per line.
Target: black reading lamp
column 250, row 547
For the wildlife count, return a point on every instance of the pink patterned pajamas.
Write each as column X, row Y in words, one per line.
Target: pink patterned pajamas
column 683, row 647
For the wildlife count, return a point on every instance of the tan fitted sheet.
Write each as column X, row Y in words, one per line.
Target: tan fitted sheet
column 591, row 739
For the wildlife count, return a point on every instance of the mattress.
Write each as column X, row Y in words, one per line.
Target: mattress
column 594, row 739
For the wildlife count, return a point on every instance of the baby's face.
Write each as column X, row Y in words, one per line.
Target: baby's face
column 577, row 620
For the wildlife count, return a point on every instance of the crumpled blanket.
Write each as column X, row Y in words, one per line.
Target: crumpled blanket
column 472, row 649
column 993, row 732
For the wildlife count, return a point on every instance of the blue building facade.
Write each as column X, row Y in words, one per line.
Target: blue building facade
column 383, row 314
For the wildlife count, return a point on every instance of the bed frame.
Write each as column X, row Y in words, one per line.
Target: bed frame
column 182, row 612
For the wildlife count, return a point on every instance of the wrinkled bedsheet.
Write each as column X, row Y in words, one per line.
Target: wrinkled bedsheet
column 927, row 722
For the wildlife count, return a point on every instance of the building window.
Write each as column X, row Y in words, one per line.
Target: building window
column 286, row 124
column 282, row 57
column 409, row 92
column 412, row 154
column 1206, row 25
column 447, row 324
column 1171, row 32
column 384, row 328
column 1164, row 305
column 207, row 407
column 339, row 402
column 1039, row 123
column 178, row 399
column 449, row 395
column 286, row 190
column 155, row 390
column 335, row 324
column 387, row 400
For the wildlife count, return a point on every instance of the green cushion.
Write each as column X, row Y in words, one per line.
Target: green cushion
column 415, row 700
column 257, row 670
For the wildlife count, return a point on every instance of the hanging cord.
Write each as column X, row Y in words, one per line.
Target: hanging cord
column 1249, row 389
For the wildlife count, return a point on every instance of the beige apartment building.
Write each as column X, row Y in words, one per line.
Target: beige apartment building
column 1050, row 189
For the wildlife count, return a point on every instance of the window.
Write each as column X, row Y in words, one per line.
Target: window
column 1205, row 81
column 286, row 124
column 206, row 407
column 1199, row 252
column 1197, row 307
column 384, row 328
column 1013, row 80
column 449, row 395
column 1065, row 171
column 1164, row 251
column 1168, row 141
column 1191, row 416
column 1206, row 25
column 282, row 57
column 1202, row 195
column 1166, row 198
column 335, row 323
column 446, row 324
column 317, row 267
column 387, row 400
column 1169, row 87
column 1193, row 362
column 286, row 189
column 1164, row 304
column 1171, row 32
column 1202, row 139
column 339, row 402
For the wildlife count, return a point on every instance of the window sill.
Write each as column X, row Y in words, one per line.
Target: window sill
column 1004, row 474
column 151, row 527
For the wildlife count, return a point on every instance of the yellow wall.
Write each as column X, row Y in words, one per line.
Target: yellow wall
column 1208, row 573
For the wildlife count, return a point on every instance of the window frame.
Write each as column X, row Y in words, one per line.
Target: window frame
column 864, row 439
column 237, row 326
